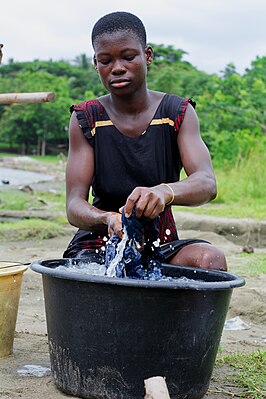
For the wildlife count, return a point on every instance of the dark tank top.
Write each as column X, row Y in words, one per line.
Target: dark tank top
column 122, row 163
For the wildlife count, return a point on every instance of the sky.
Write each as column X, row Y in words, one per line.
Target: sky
column 214, row 33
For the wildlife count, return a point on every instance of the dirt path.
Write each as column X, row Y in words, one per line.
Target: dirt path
column 30, row 345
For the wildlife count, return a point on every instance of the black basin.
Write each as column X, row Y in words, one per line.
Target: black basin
column 107, row 335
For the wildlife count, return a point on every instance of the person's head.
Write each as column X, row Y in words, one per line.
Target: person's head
column 119, row 21
column 121, row 54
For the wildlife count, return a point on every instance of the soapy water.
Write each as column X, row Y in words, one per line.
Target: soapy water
column 97, row 269
column 91, row 268
column 78, row 265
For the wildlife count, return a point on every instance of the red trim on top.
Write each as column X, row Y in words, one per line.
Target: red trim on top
column 179, row 119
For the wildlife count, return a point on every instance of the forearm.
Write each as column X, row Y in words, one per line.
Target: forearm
column 197, row 189
column 85, row 216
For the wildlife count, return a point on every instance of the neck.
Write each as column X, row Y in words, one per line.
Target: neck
column 133, row 104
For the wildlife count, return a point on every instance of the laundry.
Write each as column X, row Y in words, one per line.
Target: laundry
column 122, row 257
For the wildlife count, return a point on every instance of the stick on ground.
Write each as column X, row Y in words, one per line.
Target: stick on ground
column 156, row 388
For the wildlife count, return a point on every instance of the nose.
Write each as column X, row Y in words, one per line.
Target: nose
column 118, row 68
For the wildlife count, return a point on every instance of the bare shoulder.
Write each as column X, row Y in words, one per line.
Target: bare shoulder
column 76, row 136
column 190, row 123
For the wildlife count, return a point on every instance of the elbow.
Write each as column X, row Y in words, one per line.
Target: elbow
column 71, row 221
column 70, row 216
column 209, row 187
column 212, row 188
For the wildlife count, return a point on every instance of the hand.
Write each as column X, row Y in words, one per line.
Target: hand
column 114, row 223
column 149, row 202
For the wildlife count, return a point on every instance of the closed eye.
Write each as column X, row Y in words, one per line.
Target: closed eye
column 129, row 57
column 104, row 62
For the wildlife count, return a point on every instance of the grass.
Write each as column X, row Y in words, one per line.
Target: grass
column 245, row 181
column 15, row 199
column 251, row 265
column 252, row 210
column 248, row 373
column 35, row 229
column 241, row 188
column 50, row 159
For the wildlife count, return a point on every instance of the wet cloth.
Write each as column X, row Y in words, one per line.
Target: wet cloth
column 86, row 240
column 122, row 256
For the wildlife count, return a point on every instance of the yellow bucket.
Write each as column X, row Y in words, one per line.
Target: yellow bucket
column 11, row 274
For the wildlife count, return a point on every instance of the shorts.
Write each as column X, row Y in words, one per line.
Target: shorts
column 170, row 249
column 84, row 243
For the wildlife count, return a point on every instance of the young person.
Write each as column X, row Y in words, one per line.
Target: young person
column 130, row 146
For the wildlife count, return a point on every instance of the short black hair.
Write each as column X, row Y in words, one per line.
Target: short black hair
column 119, row 21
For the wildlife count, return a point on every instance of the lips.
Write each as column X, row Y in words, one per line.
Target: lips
column 119, row 83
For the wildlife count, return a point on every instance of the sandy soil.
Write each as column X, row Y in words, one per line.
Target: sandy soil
column 30, row 344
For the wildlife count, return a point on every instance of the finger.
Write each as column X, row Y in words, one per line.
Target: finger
column 131, row 201
column 152, row 213
column 148, row 204
column 151, row 209
column 119, row 233
column 141, row 207
column 110, row 232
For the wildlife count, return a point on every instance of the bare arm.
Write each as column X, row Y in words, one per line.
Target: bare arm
column 79, row 175
column 198, row 188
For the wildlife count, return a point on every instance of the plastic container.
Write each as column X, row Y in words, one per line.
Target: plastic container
column 107, row 335
column 11, row 274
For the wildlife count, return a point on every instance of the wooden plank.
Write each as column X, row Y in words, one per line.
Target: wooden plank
column 26, row 98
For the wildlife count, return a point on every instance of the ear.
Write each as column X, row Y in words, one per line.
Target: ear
column 94, row 62
column 149, row 54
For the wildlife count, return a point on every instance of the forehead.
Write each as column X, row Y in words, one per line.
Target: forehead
column 116, row 40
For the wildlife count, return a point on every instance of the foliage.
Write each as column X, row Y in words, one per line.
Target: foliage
column 250, row 175
column 241, row 189
column 231, row 107
column 166, row 54
column 35, row 124
column 232, row 113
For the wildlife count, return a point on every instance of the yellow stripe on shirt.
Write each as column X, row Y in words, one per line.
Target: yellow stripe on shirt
column 101, row 124
column 161, row 121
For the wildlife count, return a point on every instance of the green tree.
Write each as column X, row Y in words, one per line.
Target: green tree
column 36, row 124
column 231, row 107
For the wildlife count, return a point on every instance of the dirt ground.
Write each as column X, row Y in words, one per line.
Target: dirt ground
column 26, row 373
column 30, row 344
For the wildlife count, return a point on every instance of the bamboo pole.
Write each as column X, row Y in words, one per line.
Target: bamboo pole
column 26, row 98
column 156, row 388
